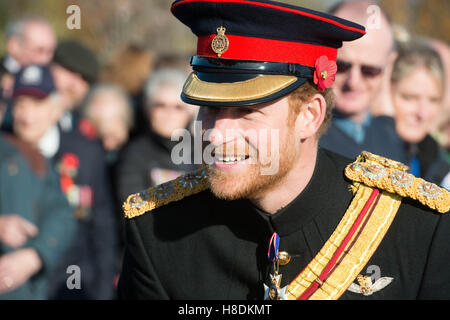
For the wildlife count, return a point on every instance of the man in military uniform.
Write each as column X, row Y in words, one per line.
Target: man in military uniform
column 317, row 227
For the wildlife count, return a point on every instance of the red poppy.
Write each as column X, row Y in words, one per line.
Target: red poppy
column 87, row 128
column 66, row 183
column 325, row 73
column 70, row 161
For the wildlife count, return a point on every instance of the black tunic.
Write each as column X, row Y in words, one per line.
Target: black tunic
column 205, row 248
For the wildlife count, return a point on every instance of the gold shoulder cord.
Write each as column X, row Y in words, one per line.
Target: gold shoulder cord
column 392, row 176
column 175, row 190
column 367, row 172
column 365, row 242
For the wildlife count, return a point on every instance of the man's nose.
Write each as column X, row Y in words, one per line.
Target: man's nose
column 355, row 77
column 223, row 123
column 423, row 109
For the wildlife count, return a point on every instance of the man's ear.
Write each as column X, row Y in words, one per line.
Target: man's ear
column 311, row 117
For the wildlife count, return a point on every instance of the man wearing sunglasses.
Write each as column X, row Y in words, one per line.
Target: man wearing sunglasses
column 361, row 65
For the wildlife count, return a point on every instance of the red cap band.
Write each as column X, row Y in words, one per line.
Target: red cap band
column 259, row 49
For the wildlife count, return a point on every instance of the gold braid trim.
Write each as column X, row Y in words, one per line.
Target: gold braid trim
column 392, row 176
column 188, row 184
column 366, row 241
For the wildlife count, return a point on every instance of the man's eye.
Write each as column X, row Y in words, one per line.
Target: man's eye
column 247, row 110
column 408, row 97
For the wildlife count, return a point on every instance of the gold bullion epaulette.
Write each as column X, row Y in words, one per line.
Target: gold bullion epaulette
column 175, row 190
column 392, row 176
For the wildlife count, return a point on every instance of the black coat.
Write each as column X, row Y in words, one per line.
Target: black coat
column 202, row 247
column 146, row 161
column 95, row 246
column 433, row 166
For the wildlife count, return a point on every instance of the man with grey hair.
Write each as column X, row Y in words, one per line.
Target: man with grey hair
column 108, row 115
column 147, row 158
column 29, row 40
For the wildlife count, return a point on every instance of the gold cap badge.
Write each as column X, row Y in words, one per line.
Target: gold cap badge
column 220, row 42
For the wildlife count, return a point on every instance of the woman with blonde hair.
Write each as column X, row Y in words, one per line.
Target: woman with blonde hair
column 418, row 86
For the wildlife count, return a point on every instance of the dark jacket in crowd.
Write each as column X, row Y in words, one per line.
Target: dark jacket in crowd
column 431, row 159
column 31, row 189
column 146, row 161
column 380, row 138
column 83, row 174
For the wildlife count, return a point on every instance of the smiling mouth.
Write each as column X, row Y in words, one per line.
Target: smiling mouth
column 229, row 158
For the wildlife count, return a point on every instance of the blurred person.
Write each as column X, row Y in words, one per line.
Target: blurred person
column 36, row 222
column 75, row 69
column 130, row 68
column 146, row 160
column 29, row 40
column 418, row 89
column 84, row 181
column 361, row 66
column 34, row 110
column 110, row 113
column 381, row 105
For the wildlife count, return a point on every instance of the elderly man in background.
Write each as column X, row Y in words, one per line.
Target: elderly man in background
column 147, row 159
column 29, row 40
column 361, row 65
column 83, row 176
column 109, row 116
column 75, row 69
column 36, row 222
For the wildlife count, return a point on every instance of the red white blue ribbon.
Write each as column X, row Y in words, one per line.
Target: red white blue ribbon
column 274, row 243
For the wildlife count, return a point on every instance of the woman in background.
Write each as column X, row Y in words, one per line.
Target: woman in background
column 418, row 86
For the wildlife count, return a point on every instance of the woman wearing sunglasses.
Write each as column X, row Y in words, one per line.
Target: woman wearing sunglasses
column 418, row 86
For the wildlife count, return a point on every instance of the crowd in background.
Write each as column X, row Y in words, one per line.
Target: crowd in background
column 78, row 137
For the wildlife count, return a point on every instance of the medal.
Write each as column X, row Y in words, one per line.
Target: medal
column 274, row 292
